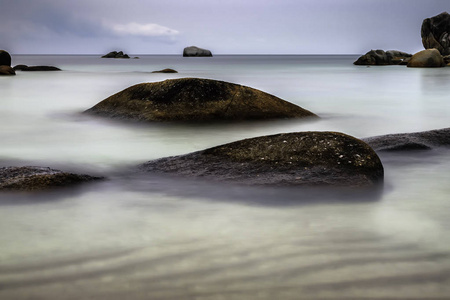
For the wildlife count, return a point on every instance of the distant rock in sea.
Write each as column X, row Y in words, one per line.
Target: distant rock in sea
column 429, row 58
column 194, row 51
column 435, row 33
column 38, row 178
column 289, row 159
column 381, row 57
column 35, row 68
column 424, row 140
column 115, row 54
column 6, row 70
column 195, row 100
column 166, row 71
column 5, row 58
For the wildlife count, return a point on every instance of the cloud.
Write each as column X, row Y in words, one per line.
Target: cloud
column 143, row 30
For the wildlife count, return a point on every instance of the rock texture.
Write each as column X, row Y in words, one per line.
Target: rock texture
column 424, row 140
column 430, row 58
column 381, row 57
column 38, row 178
column 301, row 158
column 5, row 58
column 35, row 68
column 166, row 71
column 115, row 54
column 195, row 100
column 195, row 51
column 435, row 33
column 7, row 70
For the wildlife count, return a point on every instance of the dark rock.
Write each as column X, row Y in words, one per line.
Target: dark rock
column 115, row 54
column 300, row 159
column 193, row 51
column 446, row 59
column 7, row 70
column 381, row 57
column 435, row 33
column 195, row 100
column 165, row 71
column 38, row 178
column 5, row 58
column 35, row 68
column 430, row 58
column 424, row 140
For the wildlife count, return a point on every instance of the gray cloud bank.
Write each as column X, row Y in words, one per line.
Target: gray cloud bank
column 225, row 27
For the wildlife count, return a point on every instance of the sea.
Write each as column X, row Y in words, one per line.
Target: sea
column 135, row 236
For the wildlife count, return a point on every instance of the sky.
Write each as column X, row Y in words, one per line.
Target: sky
column 222, row 26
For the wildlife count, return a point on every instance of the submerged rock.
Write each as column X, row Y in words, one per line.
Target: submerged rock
column 35, row 68
column 381, row 57
column 5, row 58
column 115, row 54
column 435, row 33
column 166, row 71
column 424, row 140
column 430, row 58
column 38, row 178
column 7, row 70
column 301, row 158
column 195, row 51
column 195, row 100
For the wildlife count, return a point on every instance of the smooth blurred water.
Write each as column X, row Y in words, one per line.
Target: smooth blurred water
column 134, row 237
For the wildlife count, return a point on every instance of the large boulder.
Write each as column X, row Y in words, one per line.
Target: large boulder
column 381, row 57
column 194, row 99
column 424, row 140
column 5, row 58
column 289, row 159
column 429, row 58
column 195, row 51
column 116, row 54
column 35, row 68
column 38, row 178
column 7, row 70
column 435, row 33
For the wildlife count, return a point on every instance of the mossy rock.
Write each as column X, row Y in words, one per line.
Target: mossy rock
column 38, row 178
column 289, row 159
column 195, row 100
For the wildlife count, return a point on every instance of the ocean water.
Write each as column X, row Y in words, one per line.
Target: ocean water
column 147, row 237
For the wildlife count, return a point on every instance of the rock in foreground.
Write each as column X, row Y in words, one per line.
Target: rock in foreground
column 195, row 100
column 5, row 58
column 7, row 70
column 435, row 33
column 381, row 58
column 290, row 159
column 193, row 51
column 424, row 140
column 38, row 178
column 430, row 58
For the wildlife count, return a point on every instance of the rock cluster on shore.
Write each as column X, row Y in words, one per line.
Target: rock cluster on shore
column 380, row 57
column 195, row 100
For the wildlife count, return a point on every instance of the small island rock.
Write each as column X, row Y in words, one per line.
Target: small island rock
column 435, row 33
column 194, row 51
column 115, row 54
column 289, row 159
column 381, row 58
column 429, row 58
column 425, row 140
column 5, row 58
column 7, row 70
column 166, row 71
column 38, row 178
column 35, row 68
column 195, row 100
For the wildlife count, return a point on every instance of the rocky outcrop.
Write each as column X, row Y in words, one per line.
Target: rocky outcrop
column 381, row 57
column 7, row 70
column 290, row 159
column 166, row 71
column 38, row 178
column 424, row 140
column 115, row 54
column 35, row 68
column 430, row 58
column 435, row 33
column 194, row 51
column 5, row 58
column 195, row 100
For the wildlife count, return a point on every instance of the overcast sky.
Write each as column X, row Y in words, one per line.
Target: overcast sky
column 222, row 26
